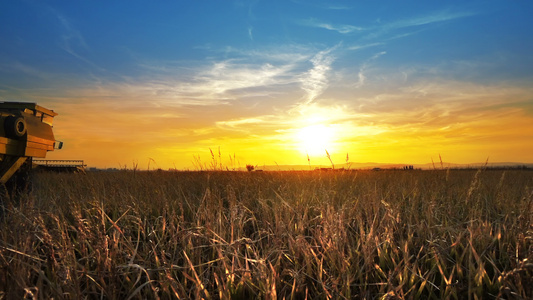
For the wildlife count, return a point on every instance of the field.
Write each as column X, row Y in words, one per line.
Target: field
column 457, row 234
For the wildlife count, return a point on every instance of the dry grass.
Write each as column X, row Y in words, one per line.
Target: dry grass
column 293, row 235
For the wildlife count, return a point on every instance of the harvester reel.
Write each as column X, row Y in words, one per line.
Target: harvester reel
column 15, row 127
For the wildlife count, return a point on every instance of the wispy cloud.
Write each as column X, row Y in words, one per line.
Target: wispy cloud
column 266, row 73
column 235, row 123
column 71, row 38
column 315, row 81
column 71, row 34
column 361, row 77
column 217, row 83
column 340, row 28
column 323, row 5
column 364, row 46
column 374, row 31
column 283, row 54
column 227, row 77
column 250, row 33
column 338, row 7
column 431, row 105
column 386, row 27
column 73, row 41
column 27, row 70
column 437, row 17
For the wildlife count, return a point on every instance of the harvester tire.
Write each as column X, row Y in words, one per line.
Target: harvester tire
column 15, row 127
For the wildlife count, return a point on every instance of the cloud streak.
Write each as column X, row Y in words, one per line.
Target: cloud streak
column 221, row 82
column 361, row 75
column 340, row 28
column 315, row 81
column 437, row 17
column 72, row 39
column 374, row 31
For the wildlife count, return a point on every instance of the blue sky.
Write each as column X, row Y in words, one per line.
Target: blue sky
column 246, row 76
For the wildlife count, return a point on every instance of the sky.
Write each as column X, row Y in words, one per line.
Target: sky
column 162, row 84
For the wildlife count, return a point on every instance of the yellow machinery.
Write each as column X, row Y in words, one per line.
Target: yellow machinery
column 25, row 132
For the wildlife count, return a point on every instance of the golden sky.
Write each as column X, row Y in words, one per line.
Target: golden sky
column 275, row 83
column 464, row 123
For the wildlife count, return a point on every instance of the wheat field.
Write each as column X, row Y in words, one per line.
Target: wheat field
column 434, row 234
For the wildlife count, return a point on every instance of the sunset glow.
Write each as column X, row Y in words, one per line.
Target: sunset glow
column 270, row 82
column 315, row 139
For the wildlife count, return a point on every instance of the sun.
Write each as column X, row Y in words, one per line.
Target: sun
column 315, row 139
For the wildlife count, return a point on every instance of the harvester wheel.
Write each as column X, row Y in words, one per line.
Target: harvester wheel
column 15, row 127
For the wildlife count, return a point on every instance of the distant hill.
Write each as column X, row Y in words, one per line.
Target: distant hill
column 372, row 165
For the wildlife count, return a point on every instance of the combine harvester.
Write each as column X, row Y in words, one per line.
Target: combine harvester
column 25, row 133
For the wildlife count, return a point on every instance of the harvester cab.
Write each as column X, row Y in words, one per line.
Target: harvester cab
column 25, row 132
